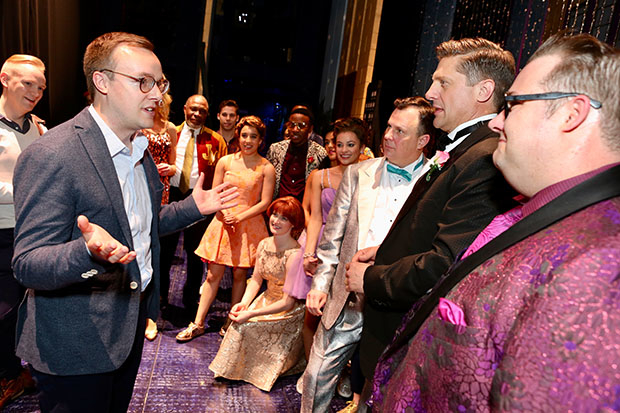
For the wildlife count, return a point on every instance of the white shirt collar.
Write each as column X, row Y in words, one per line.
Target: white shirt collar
column 189, row 129
column 409, row 168
column 462, row 126
column 115, row 145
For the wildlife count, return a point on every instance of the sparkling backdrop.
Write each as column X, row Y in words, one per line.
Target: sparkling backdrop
column 518, row 25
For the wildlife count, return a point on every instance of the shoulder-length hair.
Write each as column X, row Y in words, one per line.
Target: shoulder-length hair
column 291, row 208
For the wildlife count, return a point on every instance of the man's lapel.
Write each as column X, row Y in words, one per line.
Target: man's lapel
column 279, row 156
column 92, row 138
column 603, row 186
column 423, row 183
column 282, row 152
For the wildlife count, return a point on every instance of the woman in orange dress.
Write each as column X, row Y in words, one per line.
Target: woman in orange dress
column 233, row 236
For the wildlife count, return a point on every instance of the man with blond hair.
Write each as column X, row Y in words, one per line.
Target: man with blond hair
column 88, row 221
column 23, row 82
column 530, row 319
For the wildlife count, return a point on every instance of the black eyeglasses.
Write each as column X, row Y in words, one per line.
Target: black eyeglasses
column 509, row 99
column 146, row 83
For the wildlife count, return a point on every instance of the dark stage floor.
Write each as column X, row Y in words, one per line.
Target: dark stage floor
column 175, row 377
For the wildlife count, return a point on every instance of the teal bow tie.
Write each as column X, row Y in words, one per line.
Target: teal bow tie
column 398, row 171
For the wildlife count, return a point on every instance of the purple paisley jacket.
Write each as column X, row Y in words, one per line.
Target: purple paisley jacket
column 542, row 329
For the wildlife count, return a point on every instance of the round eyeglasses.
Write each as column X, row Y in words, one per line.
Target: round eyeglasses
column 146, row 82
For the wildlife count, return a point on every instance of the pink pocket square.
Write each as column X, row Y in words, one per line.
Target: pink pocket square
column 450, row 312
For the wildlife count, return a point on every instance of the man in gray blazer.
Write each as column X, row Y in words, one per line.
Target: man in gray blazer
column 88, row 221
column 368, row 199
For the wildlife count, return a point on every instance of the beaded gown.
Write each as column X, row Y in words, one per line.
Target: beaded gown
column 264, row 347
column 159, row 146
column 235, row 245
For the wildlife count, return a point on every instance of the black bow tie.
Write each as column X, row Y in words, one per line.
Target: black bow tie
column 443, row 140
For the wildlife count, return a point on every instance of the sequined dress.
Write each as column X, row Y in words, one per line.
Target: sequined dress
column 235, row 245
column 159, row 146
column 264, row 347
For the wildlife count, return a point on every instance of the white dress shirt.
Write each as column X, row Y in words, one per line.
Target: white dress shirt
column 136, row 196
column 462, row 126
column 393, row 192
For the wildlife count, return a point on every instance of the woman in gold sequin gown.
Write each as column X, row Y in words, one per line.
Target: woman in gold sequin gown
column 265, row 342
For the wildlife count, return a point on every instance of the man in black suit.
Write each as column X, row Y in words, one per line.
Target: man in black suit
column 88, row 220
column 453, row 201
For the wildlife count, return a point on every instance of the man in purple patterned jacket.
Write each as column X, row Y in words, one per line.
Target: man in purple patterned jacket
column 530, row 319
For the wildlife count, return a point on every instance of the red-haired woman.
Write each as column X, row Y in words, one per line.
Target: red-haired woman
column 231, row 239
column 265, row 342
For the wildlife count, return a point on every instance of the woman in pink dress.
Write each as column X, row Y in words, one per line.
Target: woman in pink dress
column 232, row 237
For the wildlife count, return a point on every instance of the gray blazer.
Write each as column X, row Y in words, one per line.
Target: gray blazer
column 80, row 315
column 345, row 231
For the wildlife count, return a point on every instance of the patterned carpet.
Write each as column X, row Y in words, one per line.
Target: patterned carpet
column 175, row 377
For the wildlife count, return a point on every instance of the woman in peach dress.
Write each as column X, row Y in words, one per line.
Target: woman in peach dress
column 233, row 236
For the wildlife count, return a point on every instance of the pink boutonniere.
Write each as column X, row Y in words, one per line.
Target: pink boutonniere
column 310, row 159
column 437, row 162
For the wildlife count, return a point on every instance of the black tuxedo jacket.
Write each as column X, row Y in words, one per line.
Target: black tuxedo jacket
column 441, row 217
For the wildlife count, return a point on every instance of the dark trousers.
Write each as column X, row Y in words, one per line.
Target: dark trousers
column 96, row 393
column 195, row 267
column 11, row 294
column 357, row 378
